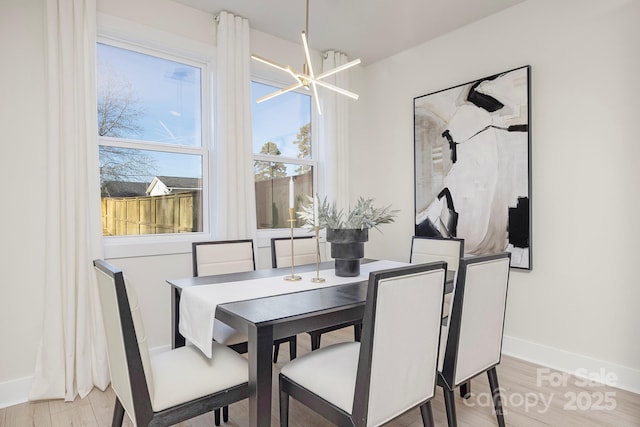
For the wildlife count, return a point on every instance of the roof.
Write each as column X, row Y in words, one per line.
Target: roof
column 180, row 182
column 123, row 188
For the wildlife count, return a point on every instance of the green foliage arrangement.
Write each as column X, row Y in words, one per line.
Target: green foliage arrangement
column 364, row 215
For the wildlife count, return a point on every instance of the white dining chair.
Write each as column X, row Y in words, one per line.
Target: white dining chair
column 304, row 252
column 371, row 383
column 223, row 257
column 169, row 387
column 472, row 339
column 429, row 249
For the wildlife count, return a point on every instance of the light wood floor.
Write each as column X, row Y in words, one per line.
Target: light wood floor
column 532, row 396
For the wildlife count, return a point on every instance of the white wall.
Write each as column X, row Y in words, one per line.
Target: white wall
column 578, row 307
column 22, row 172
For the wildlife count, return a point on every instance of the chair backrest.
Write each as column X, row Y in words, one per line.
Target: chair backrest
column 476, row 323
column 129, row 362
column 430, row 249
column 304, row 251
column 222, row 257
column 398, row 359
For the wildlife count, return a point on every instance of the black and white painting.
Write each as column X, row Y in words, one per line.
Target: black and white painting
column 472, row 166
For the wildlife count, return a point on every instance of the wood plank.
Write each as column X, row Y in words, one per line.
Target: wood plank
column 80, row 415
column 102, row 404
column 27, row 414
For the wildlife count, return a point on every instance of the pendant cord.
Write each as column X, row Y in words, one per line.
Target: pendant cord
column 307, row 23
column 305, row 66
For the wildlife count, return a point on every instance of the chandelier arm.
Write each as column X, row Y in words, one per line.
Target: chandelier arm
column 285, row 68
column 306, row 54
column 336, row 88
column 279, row 92
column 315, row 94
column 338, row 69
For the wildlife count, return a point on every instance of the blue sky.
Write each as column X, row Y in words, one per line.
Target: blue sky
column 278, row 119
column 168, row 93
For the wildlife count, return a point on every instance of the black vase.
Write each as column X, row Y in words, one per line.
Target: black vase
column 347, row 247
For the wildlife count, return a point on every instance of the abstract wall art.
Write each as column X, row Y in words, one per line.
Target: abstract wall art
column 472, row 165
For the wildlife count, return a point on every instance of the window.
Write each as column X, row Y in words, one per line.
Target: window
column 153, row 157
column 282, row 149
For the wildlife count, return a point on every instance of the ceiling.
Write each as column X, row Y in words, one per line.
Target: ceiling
column 367, row 29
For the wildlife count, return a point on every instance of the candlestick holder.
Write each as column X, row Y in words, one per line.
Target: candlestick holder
column 317, row 279
column 292, row 220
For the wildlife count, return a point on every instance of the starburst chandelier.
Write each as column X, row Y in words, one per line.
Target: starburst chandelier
column 307, row 78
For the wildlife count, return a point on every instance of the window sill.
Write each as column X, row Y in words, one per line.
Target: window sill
column 156, row 245
column 152, row 245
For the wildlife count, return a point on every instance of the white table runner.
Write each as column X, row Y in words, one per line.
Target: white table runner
column 198, row 303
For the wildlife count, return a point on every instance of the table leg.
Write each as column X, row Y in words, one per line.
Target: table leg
column 260, row 376
column 177, row 340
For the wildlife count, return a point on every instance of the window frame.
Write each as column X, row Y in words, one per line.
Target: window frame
column 314, row 162
column 145, row 40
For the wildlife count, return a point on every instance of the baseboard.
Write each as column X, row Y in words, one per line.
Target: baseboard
column 618, row 376
column 15, row 391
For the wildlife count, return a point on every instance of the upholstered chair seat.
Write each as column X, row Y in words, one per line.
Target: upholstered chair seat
column 329, row 372
column 185, row 373
column 225, row 334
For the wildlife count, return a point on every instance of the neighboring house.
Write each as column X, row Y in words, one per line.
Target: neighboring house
column 124, row 189
column 162, row 185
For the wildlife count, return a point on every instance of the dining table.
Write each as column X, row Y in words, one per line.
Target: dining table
column 298, row 307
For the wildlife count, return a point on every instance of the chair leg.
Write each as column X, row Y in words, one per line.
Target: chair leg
column 276, row 350
column 284, row 408
column 427, row 415
column 495, row 392
column 315, row 340
column 465, row 390
column 216, row 416
column 225, row 414
column 450, row 406
column 357, row 332
column 118, row 414
column 293, row 347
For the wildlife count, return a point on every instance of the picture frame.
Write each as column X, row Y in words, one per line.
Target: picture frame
column 472, row 159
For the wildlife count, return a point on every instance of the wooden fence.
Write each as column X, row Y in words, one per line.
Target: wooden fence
column 272, row 200
column 180, row 212
column 172, row 213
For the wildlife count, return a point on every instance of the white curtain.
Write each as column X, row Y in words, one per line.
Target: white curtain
column 333, row 132
column 72, row 355
column 234, row 189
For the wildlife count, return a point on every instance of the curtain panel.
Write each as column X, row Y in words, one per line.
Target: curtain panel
column 333, row 132
column 234, row 206
column 72, row 355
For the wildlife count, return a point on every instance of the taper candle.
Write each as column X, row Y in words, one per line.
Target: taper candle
column 291, row 195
